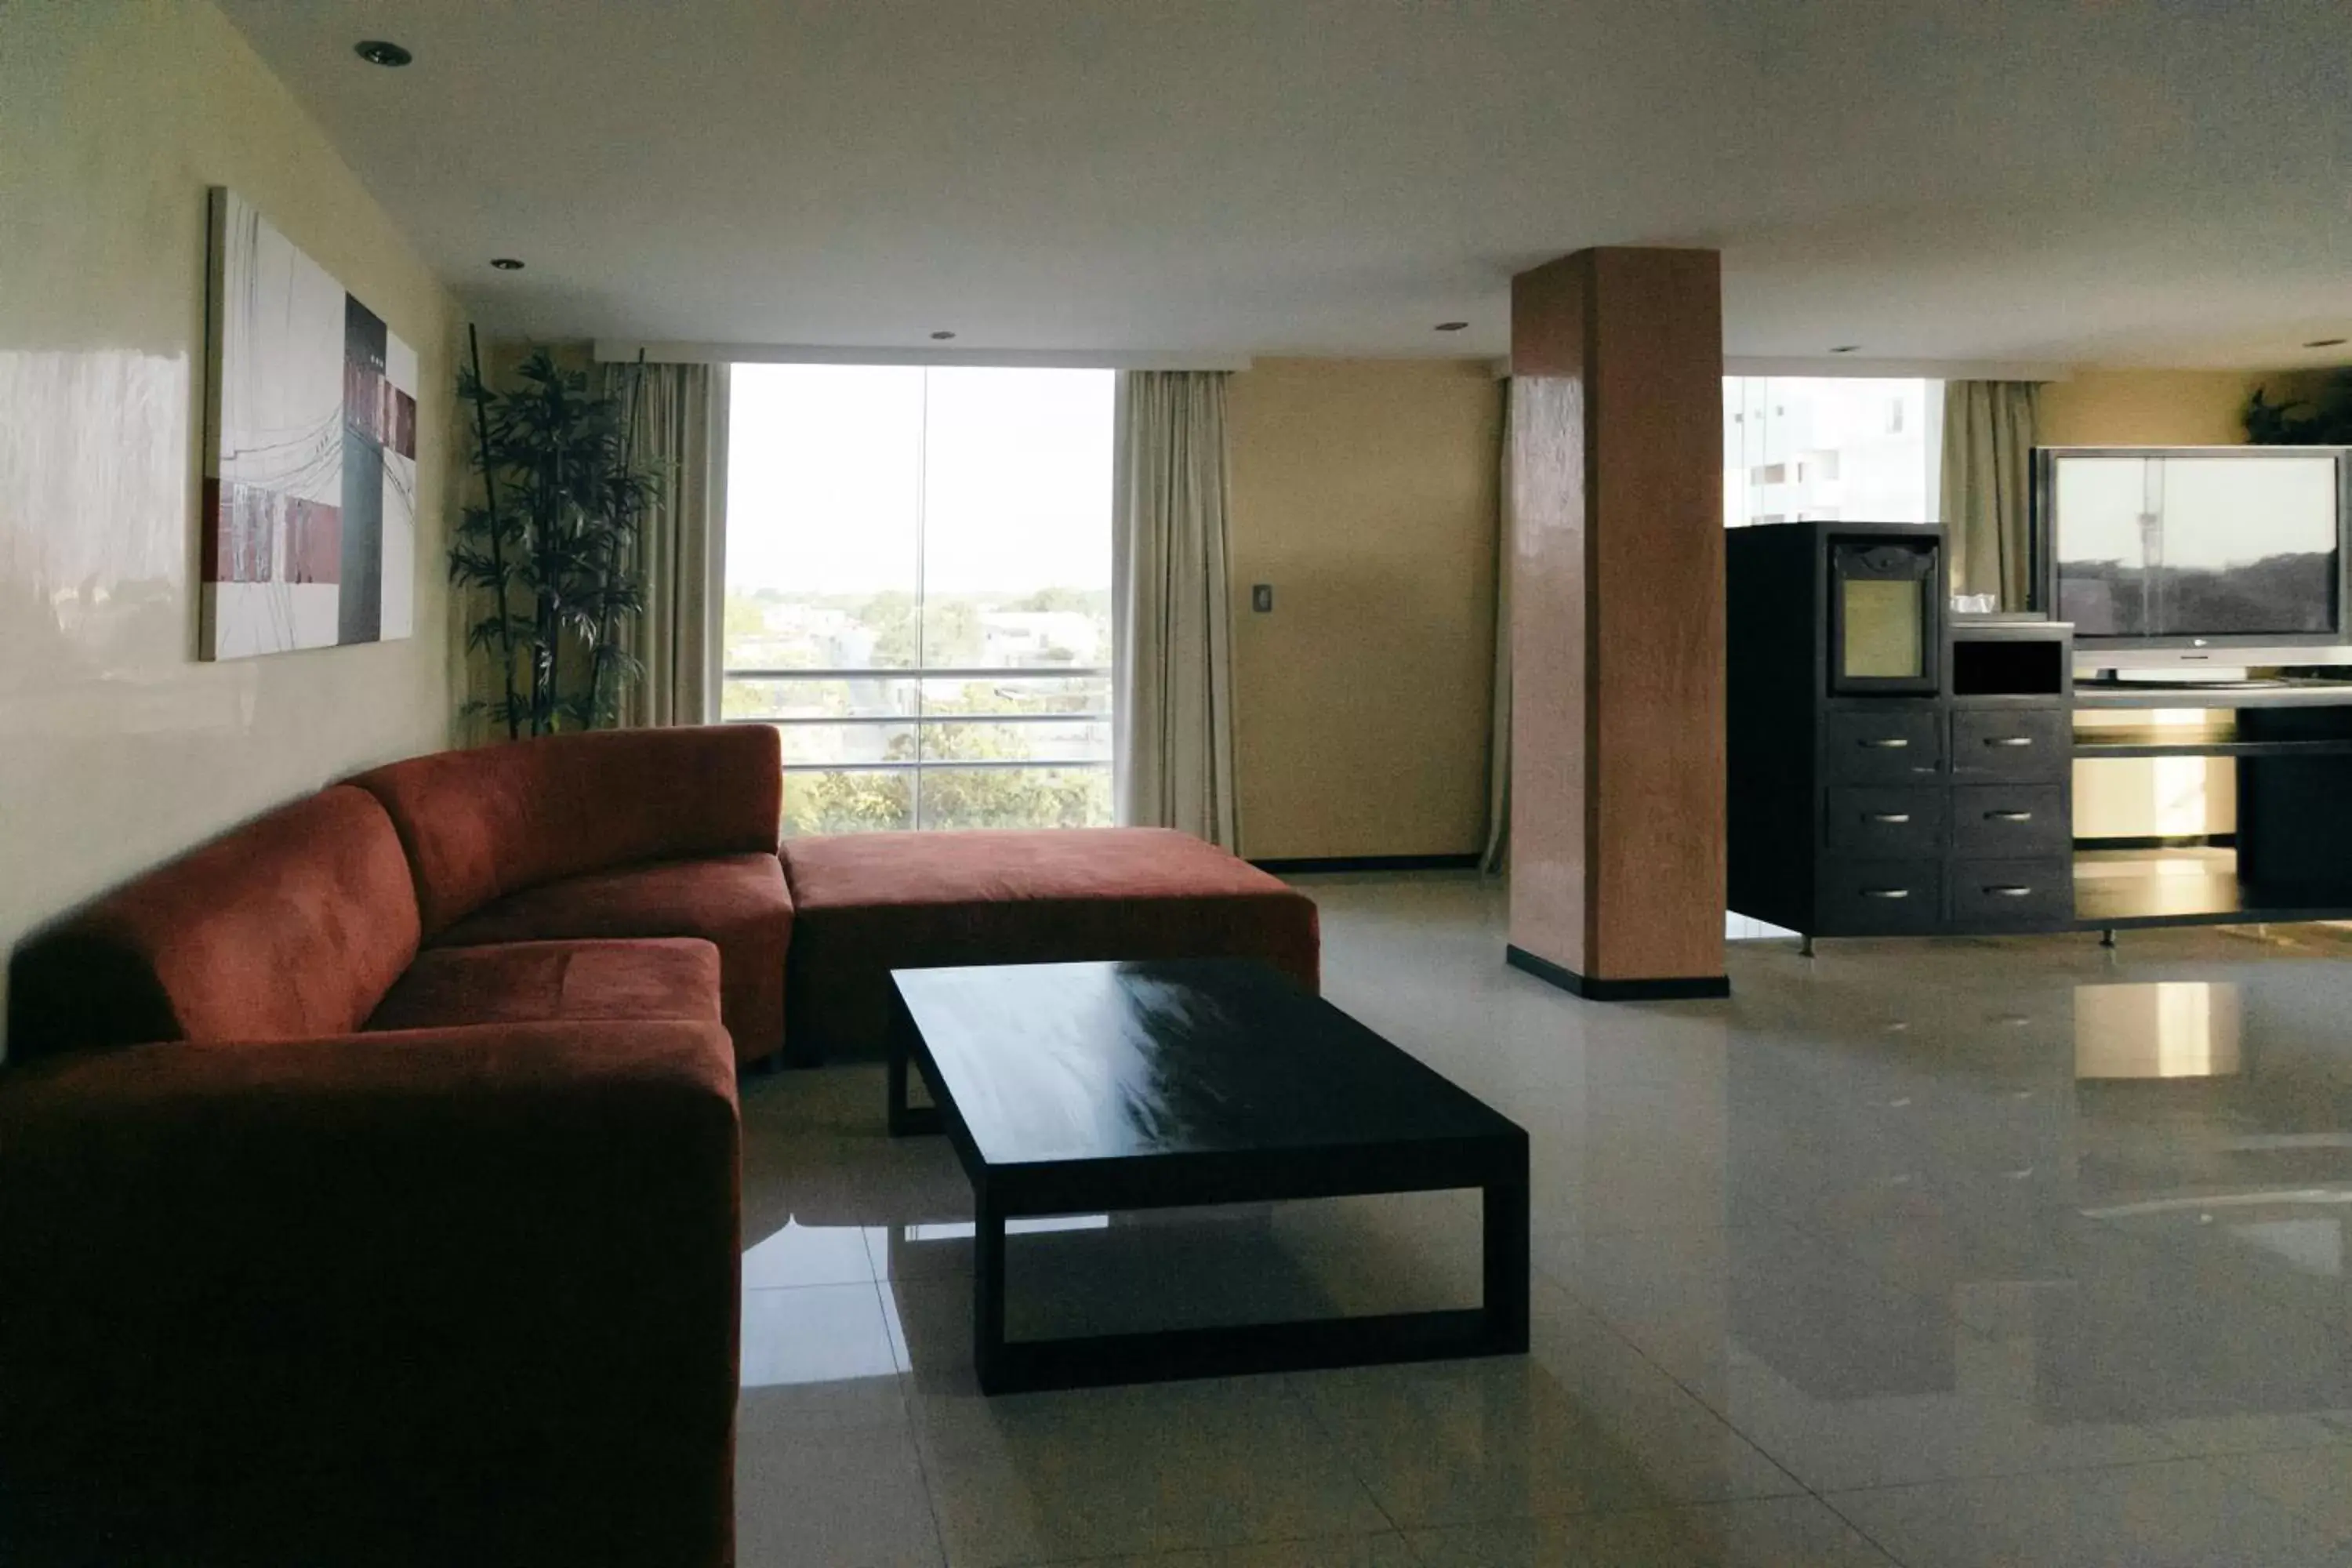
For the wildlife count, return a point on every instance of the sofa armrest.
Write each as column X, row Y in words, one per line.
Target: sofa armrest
column 451, row 1295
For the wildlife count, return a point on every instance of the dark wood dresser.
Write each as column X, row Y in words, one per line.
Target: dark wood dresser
column 1893, row 770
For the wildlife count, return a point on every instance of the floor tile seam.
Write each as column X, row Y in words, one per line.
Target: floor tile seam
column 1671, row 1511
column 1338, row 1445
column 1768, row 1450
column 2337, row 1322
column 807, row 1285
column 2257, row 1450
column 1720, row 1417
column 1255, row 1541
column 2043, row 1464
column 907, row 1394
column 2154, row 1427
column 2341, row 1329
column 1882, row 1547
column 2047, row 1469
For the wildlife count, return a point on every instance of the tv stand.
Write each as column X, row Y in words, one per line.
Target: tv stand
column 2107, row 682
column 2291, row 857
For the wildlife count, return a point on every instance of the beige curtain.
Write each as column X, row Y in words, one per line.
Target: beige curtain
column 678, row 417
column 1172, row 757
column 1499, row 723
column 1988, row 486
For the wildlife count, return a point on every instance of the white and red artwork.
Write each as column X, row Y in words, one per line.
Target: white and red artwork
column 309, row 533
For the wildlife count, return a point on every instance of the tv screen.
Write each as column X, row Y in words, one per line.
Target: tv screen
column 2195, row 546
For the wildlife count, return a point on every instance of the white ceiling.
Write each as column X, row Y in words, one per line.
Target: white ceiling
column 2126, row 182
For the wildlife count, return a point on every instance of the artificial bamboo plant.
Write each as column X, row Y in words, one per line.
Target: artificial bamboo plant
column 549, row 558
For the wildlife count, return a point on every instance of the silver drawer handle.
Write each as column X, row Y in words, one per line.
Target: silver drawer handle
column 2009, row 891
column 1890, row 743
column 1886, row 893
column 1889, row 816
column 2008, row 816
column 2009, row 739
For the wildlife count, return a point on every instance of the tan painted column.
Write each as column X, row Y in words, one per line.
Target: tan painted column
column 1617, row 699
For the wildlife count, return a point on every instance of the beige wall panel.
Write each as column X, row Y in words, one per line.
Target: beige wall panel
column 1364, row 492
column 2148, row 407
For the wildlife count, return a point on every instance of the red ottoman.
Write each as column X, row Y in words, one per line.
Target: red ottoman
column 866, row 903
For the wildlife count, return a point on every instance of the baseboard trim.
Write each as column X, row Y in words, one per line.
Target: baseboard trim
column 1680, row 989
column 1463, row 862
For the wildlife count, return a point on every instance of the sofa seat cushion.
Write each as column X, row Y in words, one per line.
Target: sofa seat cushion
column 736, row 902
column 555, row 982
column 866, row 903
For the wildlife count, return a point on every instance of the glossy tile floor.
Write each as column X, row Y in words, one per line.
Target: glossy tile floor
column 1931, row 1253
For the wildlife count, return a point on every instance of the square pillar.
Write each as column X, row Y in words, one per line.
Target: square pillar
column 1617, row 617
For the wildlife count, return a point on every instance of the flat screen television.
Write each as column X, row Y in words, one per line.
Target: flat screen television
column 2196, row 556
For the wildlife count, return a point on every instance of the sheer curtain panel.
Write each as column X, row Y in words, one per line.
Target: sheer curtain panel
column 1174, row 755
column 1988, row 486
column 678, row 414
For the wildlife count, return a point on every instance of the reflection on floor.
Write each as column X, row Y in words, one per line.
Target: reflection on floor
column 1932, row 1252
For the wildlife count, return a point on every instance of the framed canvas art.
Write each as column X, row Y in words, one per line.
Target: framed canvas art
column 308, row 532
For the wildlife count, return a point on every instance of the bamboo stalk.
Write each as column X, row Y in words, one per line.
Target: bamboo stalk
column 497, row 550
column 605, row 662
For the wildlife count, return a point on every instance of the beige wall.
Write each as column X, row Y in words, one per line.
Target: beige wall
column 1364, row 492
column 2148, row 407
column 116, row 747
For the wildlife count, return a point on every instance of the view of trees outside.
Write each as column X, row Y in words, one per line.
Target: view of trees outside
column 1831, row 448
column 918, row 591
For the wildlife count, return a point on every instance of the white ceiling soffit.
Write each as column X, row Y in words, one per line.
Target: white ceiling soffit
column 623, row 350
column 2115, row 182
column 1847, row 366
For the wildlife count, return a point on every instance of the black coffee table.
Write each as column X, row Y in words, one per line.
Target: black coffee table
column 1081, row 1088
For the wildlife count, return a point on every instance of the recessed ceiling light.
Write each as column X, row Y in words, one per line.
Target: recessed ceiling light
column 506, row 264
column 381, row 52
column 1451, row 326
column 941, row 337
column 2325, row 343
column 1846, row 348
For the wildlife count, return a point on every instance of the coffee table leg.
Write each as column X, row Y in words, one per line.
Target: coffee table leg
column 987, row 1290
column 1506, row 1207
column 901, row 1117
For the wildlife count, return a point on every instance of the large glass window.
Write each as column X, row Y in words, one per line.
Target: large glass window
column 918, row 591
column 1831, row 449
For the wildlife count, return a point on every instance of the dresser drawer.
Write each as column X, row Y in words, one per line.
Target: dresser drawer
column 2029, row 895
column 2011, row 743
column 1878, row 897
column 1894, row 745
column 1884, row 824
column 2010, row 822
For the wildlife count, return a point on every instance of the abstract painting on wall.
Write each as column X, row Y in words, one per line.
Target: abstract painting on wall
column 309, row 533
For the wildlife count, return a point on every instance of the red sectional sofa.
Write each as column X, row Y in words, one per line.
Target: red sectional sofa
column 631, row 833
column 336, row 1227
column 370, row 1176
column 866, row 903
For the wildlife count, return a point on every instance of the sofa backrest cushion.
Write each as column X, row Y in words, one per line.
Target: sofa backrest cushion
column 481, row 824
column 290, row 927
